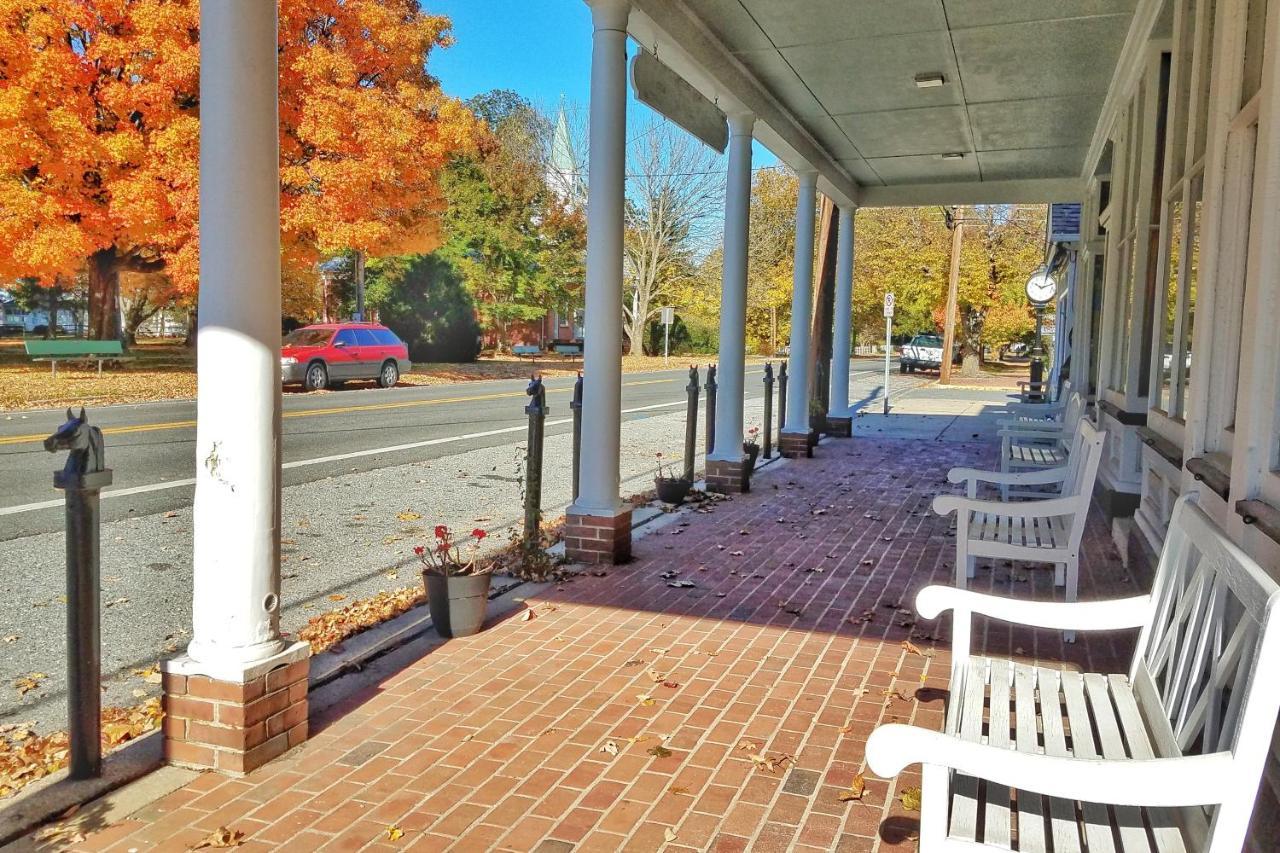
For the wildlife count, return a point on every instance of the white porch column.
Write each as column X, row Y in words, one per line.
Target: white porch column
column 841, row 341
column 236, row 522
column 598, row 506
column 797, row 421
column 238, row 698
column 724, row 466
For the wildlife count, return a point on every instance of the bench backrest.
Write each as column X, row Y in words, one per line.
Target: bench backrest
column 1205, row 667
column 1082, row 472
column 1073, row 414
column 72, row 347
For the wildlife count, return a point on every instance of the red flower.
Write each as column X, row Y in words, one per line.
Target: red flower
column 442, row 548
column 419, row 550
column 442, row 532
column 479, row 533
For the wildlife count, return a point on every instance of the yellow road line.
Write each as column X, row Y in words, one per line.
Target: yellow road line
column 304, row 413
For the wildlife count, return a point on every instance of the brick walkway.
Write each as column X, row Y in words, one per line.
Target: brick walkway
column 791, row 640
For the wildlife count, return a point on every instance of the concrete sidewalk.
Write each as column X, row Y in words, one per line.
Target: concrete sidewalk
column 624, row 713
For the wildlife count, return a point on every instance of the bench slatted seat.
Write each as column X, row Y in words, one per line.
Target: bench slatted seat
column 1166, row 758
column 1029, row 444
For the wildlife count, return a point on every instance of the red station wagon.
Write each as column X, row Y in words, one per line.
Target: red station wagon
column 328, row 354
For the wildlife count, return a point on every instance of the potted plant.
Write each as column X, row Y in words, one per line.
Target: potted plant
column 457, row 583
column 671, row 489
column 751, row 447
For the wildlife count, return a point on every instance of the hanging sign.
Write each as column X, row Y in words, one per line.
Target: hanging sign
column 664, row 90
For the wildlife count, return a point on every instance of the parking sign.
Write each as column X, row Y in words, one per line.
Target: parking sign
column 888, row 304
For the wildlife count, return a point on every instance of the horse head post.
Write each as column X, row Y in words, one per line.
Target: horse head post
column 87, row 453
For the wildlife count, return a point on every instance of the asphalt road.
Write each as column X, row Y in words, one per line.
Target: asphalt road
column 151, row 446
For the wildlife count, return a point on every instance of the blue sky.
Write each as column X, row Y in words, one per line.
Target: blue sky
column 542, row 54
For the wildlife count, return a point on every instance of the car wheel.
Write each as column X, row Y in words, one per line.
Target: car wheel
column 389, row 376
column 317, row 377
column 902, row 367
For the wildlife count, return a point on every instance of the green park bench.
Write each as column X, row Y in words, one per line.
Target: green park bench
column 526, row 351
column 54, row 351
column 568, row 350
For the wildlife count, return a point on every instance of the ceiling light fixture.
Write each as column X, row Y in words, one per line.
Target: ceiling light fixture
column 953, row 155
column 930, row 80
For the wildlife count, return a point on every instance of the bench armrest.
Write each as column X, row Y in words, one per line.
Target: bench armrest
column 1110, row 615
column 1183, row 781
column 1034, row 430
column 1050, row 507
column 1041, row 477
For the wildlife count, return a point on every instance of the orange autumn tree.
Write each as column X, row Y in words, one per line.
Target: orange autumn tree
column 99, row 136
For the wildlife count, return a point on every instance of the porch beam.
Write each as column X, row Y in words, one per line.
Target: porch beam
column 1036, row 191
column 724, row 465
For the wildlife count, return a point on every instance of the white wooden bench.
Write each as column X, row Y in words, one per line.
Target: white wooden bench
column 1040, row 411
column 1045, row 530
column 1167, row 757
column 1030, row 444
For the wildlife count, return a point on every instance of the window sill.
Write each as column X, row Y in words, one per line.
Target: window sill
column 1261, row 515
column 1124, row 417
column 1169, row 451
column 1218, row 481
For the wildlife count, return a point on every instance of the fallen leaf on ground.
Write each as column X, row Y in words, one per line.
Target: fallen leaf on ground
column 669, row 834
column 855, row 791
column 527, row 616
column 671, row 684
column 408, row 515
column 65, row 834
column 394, row 833
column 610, row 747
column 337, row 596
column 29, row 682
column 679, row 790
column 12, row 638
column 910, row 798
column 644, row 699
column 221, row 838
column 659, row 751
column 656, row 676
column 748, row 745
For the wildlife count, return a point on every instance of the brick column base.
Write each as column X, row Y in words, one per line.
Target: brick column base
column 839, row 427
column 596, row 539
column 727, row 476
column 235, row 726
column 794, row 445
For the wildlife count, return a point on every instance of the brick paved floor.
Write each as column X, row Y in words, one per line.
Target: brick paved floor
column 792, row 639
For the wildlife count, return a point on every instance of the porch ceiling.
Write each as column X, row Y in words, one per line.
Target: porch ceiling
column 1025, row 80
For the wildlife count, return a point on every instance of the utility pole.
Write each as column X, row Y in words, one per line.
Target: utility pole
column 953, row 286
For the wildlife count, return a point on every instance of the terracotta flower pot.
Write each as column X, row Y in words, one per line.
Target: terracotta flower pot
column 672, row 490
column 457, row 602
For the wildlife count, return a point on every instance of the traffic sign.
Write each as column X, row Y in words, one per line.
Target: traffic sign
column 888, row 304
column 668, row 316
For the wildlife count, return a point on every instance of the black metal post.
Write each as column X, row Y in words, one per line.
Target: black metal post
column 782, row 399
column 576, row 405
column 81, row 480
column 711, row 409
column 537, row 412
column 767, row 450
column 691, row 424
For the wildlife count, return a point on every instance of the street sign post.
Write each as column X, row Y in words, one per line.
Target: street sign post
column 668, row 317
column 888, row 344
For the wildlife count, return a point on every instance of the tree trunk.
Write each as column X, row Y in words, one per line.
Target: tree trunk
column 51, row 329
column 192, row 320
column 104, row 296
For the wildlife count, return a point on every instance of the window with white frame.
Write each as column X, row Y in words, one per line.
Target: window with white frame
column 1182, row 202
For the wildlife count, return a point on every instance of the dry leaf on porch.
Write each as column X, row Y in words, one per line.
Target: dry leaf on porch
column 669, row 834
column 656, row 676
column 910, row 799
column 394, row 833
column 610, row 747
column 855, row 791
column 659, row 751
column 748, row 745
column 221, row 838
column 644, row 699
column 527, row 616
column 912, row 648
column 679, row 790
column 63, row 834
